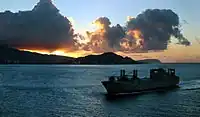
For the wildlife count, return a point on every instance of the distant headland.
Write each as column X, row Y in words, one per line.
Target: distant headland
column 14, row 56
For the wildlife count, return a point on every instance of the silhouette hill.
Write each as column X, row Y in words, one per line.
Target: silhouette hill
column 14, row 56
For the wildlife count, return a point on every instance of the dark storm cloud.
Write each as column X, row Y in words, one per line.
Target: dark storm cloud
column 149, row 31
column 106, row 38
column 112, row 34
column 41, row 28
column 115, row 34
column 157, row 26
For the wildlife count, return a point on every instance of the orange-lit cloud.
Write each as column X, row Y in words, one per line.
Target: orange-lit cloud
column 149, row 31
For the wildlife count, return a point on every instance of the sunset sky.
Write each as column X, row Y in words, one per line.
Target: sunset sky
column 82, row 13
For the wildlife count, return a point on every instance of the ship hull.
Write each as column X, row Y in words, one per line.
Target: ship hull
column 137, row 85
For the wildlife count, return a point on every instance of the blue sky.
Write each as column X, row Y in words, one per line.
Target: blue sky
column 86, row 11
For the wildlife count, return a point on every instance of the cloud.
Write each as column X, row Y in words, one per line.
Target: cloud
column 106, row 37
column 41, row 28
column 157, row 26
column 149, row 31
column 44, row 28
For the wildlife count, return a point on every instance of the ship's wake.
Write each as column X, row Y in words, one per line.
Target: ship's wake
column 190, row 85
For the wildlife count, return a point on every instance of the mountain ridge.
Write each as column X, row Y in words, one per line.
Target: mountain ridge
column 14, row 56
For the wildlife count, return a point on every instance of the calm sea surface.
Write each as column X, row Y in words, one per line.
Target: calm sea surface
column 76, row 91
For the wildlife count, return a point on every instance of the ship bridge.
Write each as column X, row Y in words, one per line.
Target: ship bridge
column 160, row 73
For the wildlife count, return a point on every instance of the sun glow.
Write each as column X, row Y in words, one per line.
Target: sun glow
column 129, row 18
column 36, row 51
column 60, row 52
column 137, row 35
column 98, row 25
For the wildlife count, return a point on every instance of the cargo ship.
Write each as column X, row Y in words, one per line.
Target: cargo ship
column 126, row 84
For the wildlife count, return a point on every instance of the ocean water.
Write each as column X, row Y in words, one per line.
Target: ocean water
column 76, row 91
